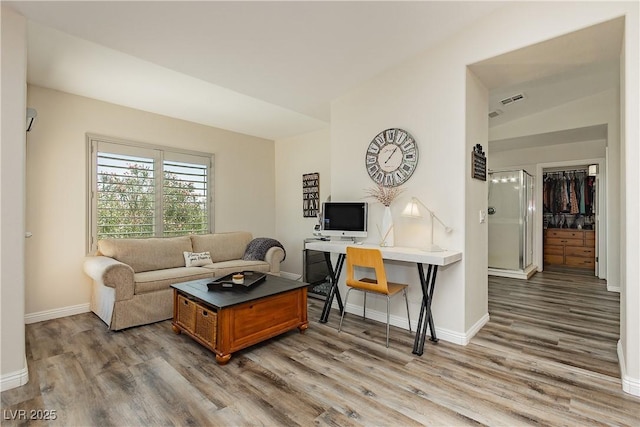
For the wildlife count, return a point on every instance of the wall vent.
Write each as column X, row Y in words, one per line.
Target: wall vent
column 514, row 98
column 494, row 113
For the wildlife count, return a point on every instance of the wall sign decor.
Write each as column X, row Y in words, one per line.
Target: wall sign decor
column 478, row 163
column 391, row 157
column 310, row 194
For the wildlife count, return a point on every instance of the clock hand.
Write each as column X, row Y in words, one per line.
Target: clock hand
column 391, row 155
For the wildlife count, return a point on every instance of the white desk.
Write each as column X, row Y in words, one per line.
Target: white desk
column 396, row 253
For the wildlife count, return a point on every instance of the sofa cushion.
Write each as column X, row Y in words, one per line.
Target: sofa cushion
column 150, row 281
column 222, row 246
column 148, row 254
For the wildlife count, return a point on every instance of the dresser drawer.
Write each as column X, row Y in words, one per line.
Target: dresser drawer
column 580, row 252
column 563, row 241
column 565, row 234
column 575, row 261
column 553, row 250
column 590, row 243
column 553, row 259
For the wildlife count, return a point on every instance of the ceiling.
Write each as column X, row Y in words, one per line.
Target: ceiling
column 271, row 69
column 268, row 69
column 554, row 72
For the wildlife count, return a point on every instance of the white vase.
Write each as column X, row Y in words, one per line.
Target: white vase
column 386, row 231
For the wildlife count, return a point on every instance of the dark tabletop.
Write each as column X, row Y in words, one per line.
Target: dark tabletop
column 228, row 297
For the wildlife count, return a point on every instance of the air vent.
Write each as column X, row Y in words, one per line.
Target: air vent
column 494, row 113
column 510, row 100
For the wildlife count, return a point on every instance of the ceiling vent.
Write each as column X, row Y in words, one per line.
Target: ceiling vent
column 510, row 100
column 494, row 113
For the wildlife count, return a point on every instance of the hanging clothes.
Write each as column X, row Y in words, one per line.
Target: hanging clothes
column 573, row 197
column 568, row 192
column 582, row 206
column 564, row 195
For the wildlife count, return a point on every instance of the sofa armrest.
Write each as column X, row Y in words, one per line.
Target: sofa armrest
column 111, row 273
column 274, row 257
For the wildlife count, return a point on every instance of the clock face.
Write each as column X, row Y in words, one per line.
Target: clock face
column 391, row 157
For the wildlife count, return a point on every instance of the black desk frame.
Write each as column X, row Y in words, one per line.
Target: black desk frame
column 427, row 284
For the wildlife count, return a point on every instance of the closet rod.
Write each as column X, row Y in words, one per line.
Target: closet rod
column 566, row 170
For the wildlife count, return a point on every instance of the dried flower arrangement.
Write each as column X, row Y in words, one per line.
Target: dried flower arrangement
column 385, row 195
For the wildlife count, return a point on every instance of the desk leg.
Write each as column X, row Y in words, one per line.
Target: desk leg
column 426, row 318
column 432, row 327
column 334, row 274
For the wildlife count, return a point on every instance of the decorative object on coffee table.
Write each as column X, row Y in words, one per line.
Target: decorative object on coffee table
column 238, row 280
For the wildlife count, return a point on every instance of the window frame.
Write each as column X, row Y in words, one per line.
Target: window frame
column 157, row 153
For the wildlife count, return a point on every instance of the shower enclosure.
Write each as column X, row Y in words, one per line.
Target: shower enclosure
column 511, row 209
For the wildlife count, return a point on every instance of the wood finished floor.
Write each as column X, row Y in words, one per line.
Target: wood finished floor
column 547, row 357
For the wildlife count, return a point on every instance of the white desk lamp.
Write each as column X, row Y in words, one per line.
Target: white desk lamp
column 412, row 210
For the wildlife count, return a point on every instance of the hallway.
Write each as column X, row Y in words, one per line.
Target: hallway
column 569, row 319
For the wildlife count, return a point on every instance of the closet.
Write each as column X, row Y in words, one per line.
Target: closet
column 569, row 204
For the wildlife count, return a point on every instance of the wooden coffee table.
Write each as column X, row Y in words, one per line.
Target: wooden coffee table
column 226, row 321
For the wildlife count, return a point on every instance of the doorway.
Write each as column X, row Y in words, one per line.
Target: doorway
column 572, row 239
column 569, row 209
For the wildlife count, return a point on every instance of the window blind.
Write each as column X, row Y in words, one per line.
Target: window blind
column 125, row 196
column 185, row 198
column 138, row 191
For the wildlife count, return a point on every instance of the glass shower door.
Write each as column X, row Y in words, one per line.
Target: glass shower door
column 510, row 220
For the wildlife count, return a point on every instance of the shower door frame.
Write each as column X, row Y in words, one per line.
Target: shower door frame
column 524, row 223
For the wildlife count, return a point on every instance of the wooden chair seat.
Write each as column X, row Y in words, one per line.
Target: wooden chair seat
column 371, row 260
column 392, row 288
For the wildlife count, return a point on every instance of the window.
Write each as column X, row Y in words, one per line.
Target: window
column 139, row 190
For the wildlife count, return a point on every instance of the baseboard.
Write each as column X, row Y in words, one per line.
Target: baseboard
column 56, row 313
column 292, row 276
column 476, row 328
column 613, row 288
column 15, row 379
column 402, row 322
column 629, row 385
column 514, row 274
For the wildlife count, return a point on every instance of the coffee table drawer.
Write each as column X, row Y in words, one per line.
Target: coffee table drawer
column 255, row 321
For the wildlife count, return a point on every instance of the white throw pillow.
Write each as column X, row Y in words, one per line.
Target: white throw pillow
column 196, row 259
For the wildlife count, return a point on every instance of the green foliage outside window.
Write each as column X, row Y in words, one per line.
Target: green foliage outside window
column 127, row 200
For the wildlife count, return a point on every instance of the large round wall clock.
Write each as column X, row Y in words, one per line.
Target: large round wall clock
column 391, row 157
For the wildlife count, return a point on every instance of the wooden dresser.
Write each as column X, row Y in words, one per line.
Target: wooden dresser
column 570, row 248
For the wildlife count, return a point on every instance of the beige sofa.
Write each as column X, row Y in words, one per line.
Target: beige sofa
column 132, row 277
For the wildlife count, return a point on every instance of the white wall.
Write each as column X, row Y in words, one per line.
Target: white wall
column 296, row 156
column 426, row 96
column 13, row 372
column 244, row 193
column 629, row 350
column 476, row 202
column 405, row 97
